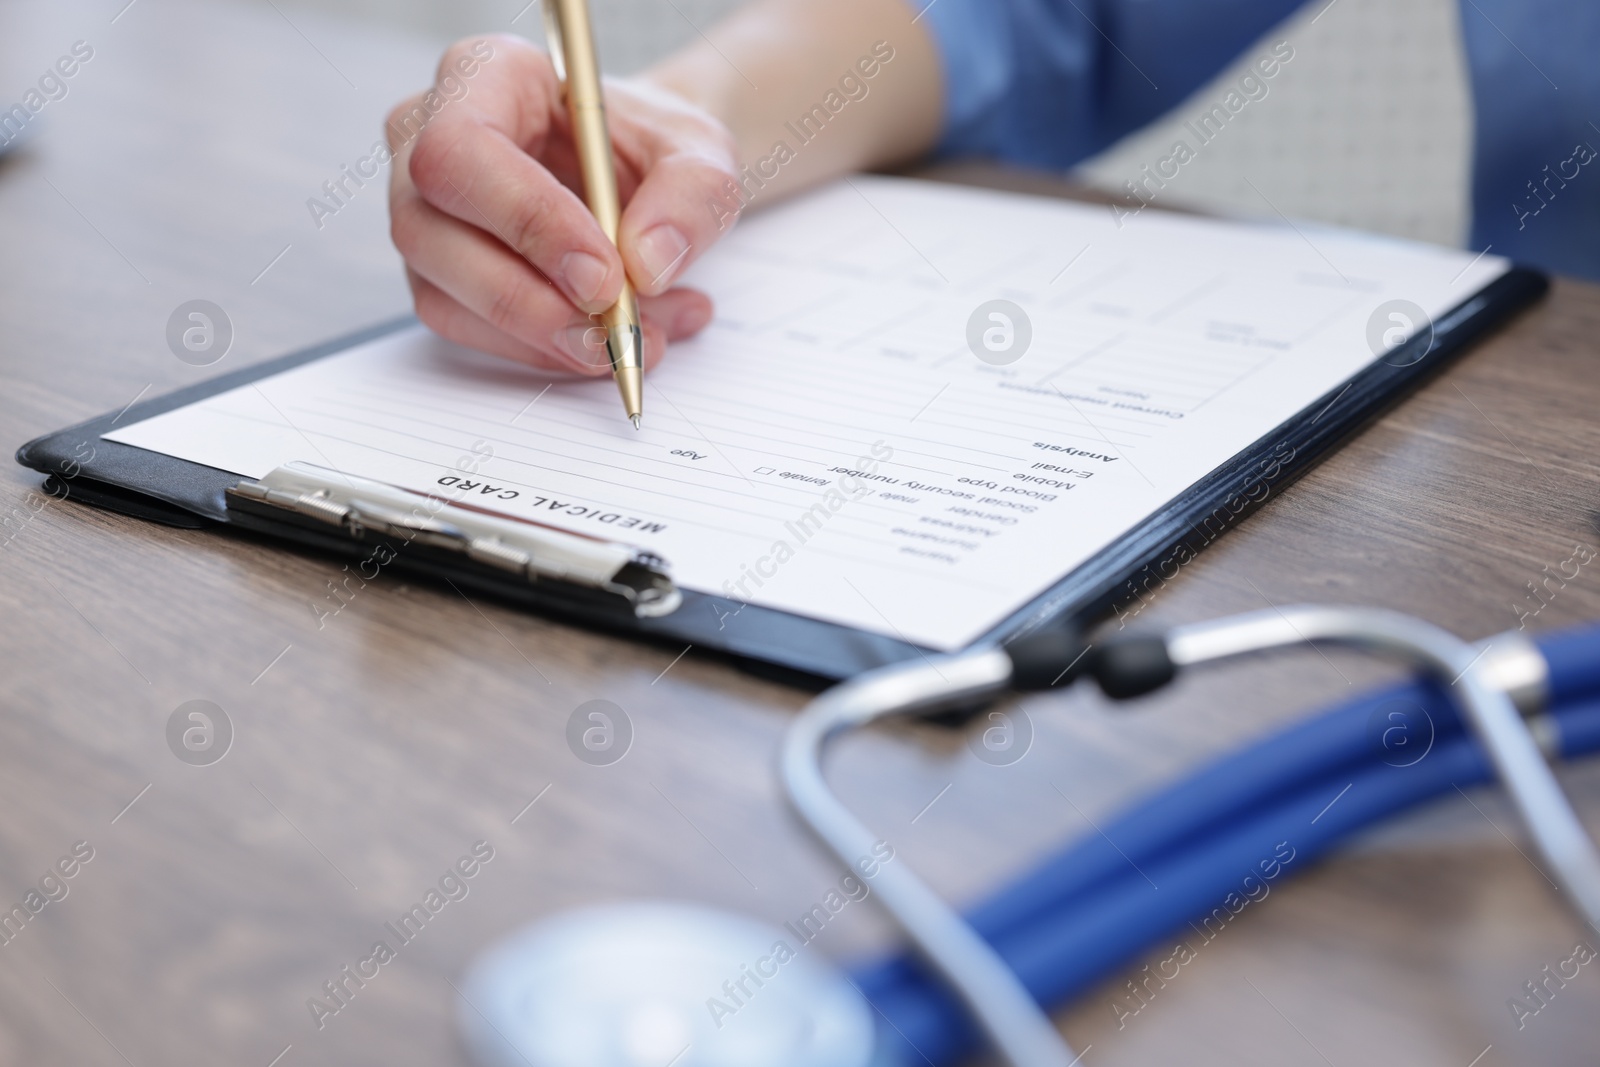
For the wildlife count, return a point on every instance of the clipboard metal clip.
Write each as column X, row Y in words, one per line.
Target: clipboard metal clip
column 531, row 550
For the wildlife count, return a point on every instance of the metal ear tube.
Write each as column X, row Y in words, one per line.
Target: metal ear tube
column 1491, row 682
column 1010, row 1018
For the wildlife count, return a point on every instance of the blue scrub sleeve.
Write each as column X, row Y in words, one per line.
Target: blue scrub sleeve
column 1536, row 158
column 1047, row 83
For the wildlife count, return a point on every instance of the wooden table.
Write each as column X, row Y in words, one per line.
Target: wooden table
column 372, row 752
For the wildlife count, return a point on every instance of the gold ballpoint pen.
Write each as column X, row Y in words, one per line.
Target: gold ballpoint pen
column 566, row 25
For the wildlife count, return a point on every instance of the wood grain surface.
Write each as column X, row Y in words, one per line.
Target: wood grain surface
column 372, row 751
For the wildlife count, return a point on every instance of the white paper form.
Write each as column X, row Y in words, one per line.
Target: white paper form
column 830, row 445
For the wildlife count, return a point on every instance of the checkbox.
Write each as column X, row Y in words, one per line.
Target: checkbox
column 765, row 470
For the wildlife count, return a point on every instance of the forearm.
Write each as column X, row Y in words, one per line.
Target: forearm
column 795, row 73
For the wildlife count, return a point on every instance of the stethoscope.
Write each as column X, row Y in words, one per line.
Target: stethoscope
column 671, row 985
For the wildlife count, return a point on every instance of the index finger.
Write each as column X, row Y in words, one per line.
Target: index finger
column 472, row 160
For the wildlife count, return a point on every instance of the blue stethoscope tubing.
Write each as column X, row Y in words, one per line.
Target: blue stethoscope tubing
column 1306, row 757
column 1087, row 911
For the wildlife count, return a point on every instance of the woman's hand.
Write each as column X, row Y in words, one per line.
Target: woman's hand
column 501, row 252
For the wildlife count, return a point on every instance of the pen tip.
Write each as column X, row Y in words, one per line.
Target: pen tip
column 636, row 421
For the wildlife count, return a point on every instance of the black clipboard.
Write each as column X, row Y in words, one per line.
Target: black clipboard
column 80, row 466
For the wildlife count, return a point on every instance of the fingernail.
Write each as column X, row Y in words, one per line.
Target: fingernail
column 584, row 274
column 662, row 251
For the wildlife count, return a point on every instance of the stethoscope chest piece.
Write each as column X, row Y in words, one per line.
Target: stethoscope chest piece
column 656, row 983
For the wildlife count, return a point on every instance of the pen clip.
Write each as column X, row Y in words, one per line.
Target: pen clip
column 554, row 40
